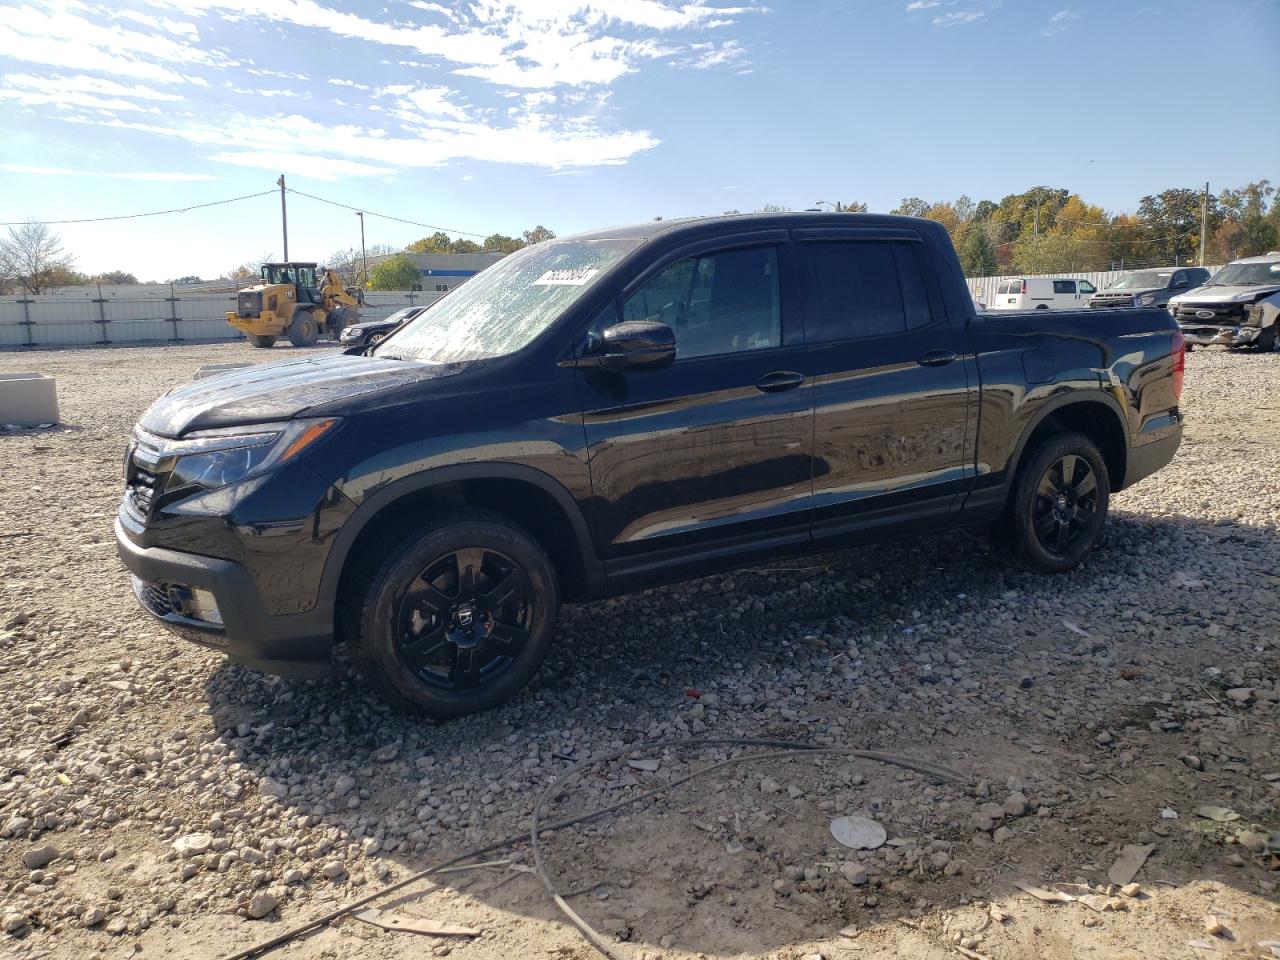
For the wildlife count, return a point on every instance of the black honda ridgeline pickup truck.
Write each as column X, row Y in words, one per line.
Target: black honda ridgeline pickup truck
column 619, row 409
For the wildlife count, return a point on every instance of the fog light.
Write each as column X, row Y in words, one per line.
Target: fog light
column 195, row 604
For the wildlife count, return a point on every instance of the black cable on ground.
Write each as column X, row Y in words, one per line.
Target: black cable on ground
column 782, row 749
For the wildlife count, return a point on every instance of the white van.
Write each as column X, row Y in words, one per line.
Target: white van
column 1042, row 293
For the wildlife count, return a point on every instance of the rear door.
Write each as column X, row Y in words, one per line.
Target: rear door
column 711, row 456
column 894, row 382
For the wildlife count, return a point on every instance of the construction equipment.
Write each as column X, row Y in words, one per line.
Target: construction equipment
column 290, row 300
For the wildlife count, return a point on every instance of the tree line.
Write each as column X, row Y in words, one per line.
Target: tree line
column 1052, row 230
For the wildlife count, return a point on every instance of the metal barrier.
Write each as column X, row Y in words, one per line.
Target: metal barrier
column 61, row 321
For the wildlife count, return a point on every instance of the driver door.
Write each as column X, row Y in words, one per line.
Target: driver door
column 709, row 458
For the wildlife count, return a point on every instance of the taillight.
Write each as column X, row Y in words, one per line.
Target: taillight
column 1024, row 287
column 1179, row 363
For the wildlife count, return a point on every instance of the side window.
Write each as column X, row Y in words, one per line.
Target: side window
column 1087, row 287
column 1179, row 279
column 863, row 289
column 1064, row 286
column 719, row 303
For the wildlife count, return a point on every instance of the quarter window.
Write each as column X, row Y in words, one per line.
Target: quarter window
column 715, row 304
column 863, row 289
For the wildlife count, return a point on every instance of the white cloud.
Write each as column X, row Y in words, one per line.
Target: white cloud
column 923, row 4
column 301, row 164
column 952, row 13
column 164, row 176
column 1059, row 22
column 63, row 38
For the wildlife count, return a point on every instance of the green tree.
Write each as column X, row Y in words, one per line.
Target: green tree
column 911, row 207
column 537, row 235
column 1174, row 216
column 501, row 243
column 396, row 273
column 462, row 245
column 977, row 254
column 438, row 242
column 113, row 276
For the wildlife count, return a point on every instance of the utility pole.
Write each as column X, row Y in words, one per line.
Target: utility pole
column 284, row 218
column 1204, row 222
column 363, row 256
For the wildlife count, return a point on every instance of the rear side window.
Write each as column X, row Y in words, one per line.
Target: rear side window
column 716, row 304
column 1064, row 286
column 862, row 289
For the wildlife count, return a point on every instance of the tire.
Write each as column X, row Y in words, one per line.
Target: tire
column 303, row 331
column 263, row 340
column 437, row 640
column 1042, row 306
column 1266, row 341
column 1053, row 520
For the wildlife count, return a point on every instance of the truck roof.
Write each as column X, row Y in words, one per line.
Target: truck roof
column 694, row 226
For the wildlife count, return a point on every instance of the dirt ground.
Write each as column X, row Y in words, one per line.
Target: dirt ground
column 1084, row 713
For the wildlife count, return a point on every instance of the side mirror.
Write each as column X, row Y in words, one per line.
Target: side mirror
column 637, row 345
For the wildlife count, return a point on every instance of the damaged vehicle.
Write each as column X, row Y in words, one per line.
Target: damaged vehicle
column 597, row 414
column 1239, row 306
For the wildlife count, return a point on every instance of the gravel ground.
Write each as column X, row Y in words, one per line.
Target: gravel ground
column 155, row 799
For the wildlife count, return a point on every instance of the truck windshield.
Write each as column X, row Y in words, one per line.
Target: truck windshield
column 503, row 308
column 1245, row 275
column 1143, row 280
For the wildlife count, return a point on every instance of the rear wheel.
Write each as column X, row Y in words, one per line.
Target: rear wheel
column 340, row 317
column 1058, row 505
column 303, row 331
column 458, row 618
column 262, row 340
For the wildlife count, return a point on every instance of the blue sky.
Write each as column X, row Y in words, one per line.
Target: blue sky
column 494, row 115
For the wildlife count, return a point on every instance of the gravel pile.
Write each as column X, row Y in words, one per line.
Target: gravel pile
column 154, row 797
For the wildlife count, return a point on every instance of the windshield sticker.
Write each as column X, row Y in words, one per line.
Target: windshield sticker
column 566, row 278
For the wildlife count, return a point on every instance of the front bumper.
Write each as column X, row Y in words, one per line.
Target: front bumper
column 350, row 336
column 1203, row 335
column 292, row 645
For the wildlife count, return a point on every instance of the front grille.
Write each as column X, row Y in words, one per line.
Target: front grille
column 145, row 475
column 1222, row 312
column 249, row 303
column 1126, row 301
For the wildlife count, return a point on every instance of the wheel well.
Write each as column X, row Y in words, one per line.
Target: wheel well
column 525, row 503
column 1097, row 422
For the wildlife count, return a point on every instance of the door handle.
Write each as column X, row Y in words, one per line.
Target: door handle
column 779, row 381
column 937, row 358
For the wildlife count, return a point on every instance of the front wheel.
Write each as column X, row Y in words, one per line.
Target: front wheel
column 458, row 617
column 303, row 331
column 1266, row 341
column 1058, row 505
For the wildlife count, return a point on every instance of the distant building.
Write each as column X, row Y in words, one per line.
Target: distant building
column 441, row 272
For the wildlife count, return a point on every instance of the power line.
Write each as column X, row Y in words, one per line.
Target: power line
column 135, row 216
column 386, row 216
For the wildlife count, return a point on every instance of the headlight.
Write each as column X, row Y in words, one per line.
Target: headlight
column 214, row 458
column 1253, row 315
column 1146, row 300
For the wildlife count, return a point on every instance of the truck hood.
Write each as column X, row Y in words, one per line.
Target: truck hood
column 281, row 391
column 1225, row 294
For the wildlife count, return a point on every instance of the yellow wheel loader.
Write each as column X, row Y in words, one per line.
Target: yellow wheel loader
column 292, row 301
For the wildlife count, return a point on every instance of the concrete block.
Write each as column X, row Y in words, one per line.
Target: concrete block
column 28, row 399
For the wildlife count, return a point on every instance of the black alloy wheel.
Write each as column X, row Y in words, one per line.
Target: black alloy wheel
column 453, row 617
column 464, row 620
column 1066, row 499
column 1057, row 508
